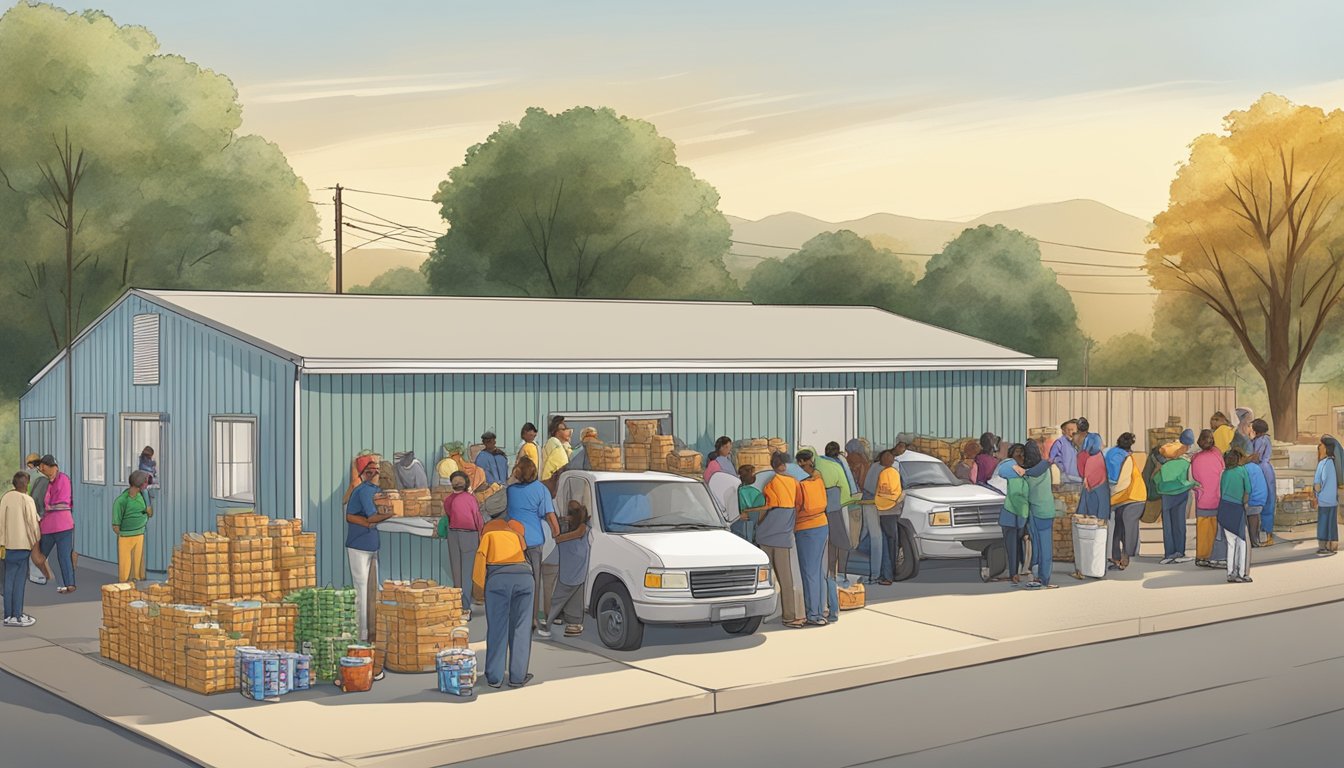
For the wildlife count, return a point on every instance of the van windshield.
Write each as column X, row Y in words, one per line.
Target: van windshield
column 629, row 506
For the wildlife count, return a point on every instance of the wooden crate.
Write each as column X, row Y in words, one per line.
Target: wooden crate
column 685, row 462
column 641, row 430
column 660, row 447
column 636, row 457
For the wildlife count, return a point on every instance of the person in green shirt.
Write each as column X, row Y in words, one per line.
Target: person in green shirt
column 1040, row 515
column 130, row 516
column 1234, row 490
column 750, row 504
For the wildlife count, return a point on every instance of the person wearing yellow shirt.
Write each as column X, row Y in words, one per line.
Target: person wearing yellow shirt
column 528, row 450
column 557, row 451
column 810, row 532
column 503, row 579
column 1223, row 432
column 775, row 536
column 887, row 496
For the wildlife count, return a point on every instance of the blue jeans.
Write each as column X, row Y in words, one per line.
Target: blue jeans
column 1042, row 543
column 1013, row 528
column 64, row 544
column 1327, row 523
column 744, row 528
column 833, row 576
column 1173, row 524
column 891, row 544
column 876, row 551
column 16, row 579
column 811, row 564
column 1267, row 514
column 508, row 624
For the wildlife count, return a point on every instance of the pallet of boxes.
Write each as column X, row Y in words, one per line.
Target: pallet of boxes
column 757, row 451
column 1168, row 433
column 416, row 620
column 220, row 604
column 1067, row 497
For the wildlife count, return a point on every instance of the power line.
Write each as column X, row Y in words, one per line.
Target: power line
column 1090, row 264
column 1084, row 274
column 382, row 236
column 1116, row 293
column 396, row 230
column 931, row 255
column 388, row 194
column 394, row 223
column 1090, row 248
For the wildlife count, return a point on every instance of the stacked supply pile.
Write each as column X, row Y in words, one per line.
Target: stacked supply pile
column 661, row 448
column 603, row 457
column 210, row 659
column 1169, row 433
column 198, row 573
column 238, row 617
column 252, row 568
column 758, row 450
column 267, row 675
column 390, row 502
column 173, row 625
column 685, row 462
column 1066, row 502
column 275, row 627
column 1295, row 509
column 946, row 450
column 115, row 638
column 639, row 456
column 294, row 554
column 415, row 621
column 418, row 502
column 326, row 625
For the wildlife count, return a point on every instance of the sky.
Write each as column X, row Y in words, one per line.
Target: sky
column 936, row 109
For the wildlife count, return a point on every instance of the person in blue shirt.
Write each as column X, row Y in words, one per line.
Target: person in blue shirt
column 492, row 461
column 1259, row 497
column 361, row 542
column 529, row 504
column 1326, row 487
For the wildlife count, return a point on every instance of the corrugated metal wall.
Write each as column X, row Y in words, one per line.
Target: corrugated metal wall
column 202, row 373
column 344, row 414
column 1115, row 410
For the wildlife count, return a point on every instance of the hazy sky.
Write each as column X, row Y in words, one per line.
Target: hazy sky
column 938, row 109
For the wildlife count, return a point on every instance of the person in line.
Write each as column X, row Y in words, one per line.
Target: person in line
column 775, row 536
column 58, row 523
column 492, row 461
column 858, row 461
column 1245, row 431
column 1263, row 446
column 149, row 466
column 528, row 449
column 1325, row 487
column 750, row 504
column 889, row 501
column 578, row 457
column 1234, row 489
column 1207, row 469
column 130, row 517
column 1064, row 452
column 1174, row 483
column 1129, row 494
column 362, row 543
column 810, row 534
column 840, row 496
column 1013, row 514
column 1040, row 515
column 720, row 459
column 502, row 578
column 19, row 533
column 1256, row 503
column 37, row 490
column 574, row 546
column 461, row 527
column 985, row 462
column 555, row 454
column 1095, row 500
column 964, row 469
column 1223, row 432
column 529, row 505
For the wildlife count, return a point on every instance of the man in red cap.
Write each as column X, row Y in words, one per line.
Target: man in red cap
column 361, row 541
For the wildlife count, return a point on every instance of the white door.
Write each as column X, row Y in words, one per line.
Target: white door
column 823, row 417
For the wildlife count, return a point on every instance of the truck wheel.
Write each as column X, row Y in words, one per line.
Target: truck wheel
column 907, row 564
column 743, row 626
column 993, row 562
column 617, row 625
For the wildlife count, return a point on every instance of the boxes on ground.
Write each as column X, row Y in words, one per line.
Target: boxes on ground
column 267, row 675
column 415, row 621
column 1066, row 501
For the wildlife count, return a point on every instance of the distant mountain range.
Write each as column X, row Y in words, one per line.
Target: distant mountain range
column 1076, row 222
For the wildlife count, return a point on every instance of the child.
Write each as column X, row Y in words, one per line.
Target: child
column 750, row 503
column 573, row 546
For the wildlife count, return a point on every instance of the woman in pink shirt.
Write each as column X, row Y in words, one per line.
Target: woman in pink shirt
column 58, row 522
column 1206, row 468
column 461, row 525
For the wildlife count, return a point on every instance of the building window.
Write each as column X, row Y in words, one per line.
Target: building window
column 234, row 459
column 145, row 350
column 138, row 432
column 94, row 431
column 610, row 426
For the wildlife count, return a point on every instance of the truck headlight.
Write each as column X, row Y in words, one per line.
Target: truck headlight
column 656, row 578
column 941, row 518
column 763, row 576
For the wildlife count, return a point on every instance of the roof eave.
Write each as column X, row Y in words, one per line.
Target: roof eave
column 334, row 366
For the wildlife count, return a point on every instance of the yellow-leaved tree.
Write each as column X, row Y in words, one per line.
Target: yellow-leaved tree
column 1254, row 230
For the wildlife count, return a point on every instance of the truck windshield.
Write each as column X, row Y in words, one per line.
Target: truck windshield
column 922, row 474
column 628, row 506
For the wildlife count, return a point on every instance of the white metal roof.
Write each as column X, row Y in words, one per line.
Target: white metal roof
column 355, row 333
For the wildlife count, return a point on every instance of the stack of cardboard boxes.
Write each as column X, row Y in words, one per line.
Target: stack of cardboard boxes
column 1169, row 433
column 415, row 621
column 1066, row 502
column 199, row 571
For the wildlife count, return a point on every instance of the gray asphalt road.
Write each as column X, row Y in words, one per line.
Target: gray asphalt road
column 1267, row 691
column 39, row 729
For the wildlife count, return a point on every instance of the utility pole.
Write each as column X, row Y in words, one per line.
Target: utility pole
column 339, row 226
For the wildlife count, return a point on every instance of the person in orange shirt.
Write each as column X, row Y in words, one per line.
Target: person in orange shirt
column 775, row 536
column 810, row 532
column 502, row 578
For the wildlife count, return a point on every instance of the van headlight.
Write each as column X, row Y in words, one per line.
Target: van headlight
column 763, row 576
column 657, row 578
column 941, row 518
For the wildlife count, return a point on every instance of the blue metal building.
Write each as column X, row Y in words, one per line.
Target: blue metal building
column 261, row 400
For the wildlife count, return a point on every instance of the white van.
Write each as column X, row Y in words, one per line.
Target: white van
column 661, row 554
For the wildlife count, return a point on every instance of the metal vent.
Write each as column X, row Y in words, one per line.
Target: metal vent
column 145, row 350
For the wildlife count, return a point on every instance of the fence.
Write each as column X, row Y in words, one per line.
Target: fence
column 1115, row 410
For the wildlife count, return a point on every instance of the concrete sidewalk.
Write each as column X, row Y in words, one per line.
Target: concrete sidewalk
column 943, row 620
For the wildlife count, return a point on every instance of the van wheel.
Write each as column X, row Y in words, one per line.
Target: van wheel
column 617, row 625
column 907, row 564
column 993, row 562
column 743, row 626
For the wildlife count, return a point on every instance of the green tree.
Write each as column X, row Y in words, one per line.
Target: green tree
column 402, row 281
column 171, row 195
column 580, row 203
column 989, row 282
column 835, row 268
